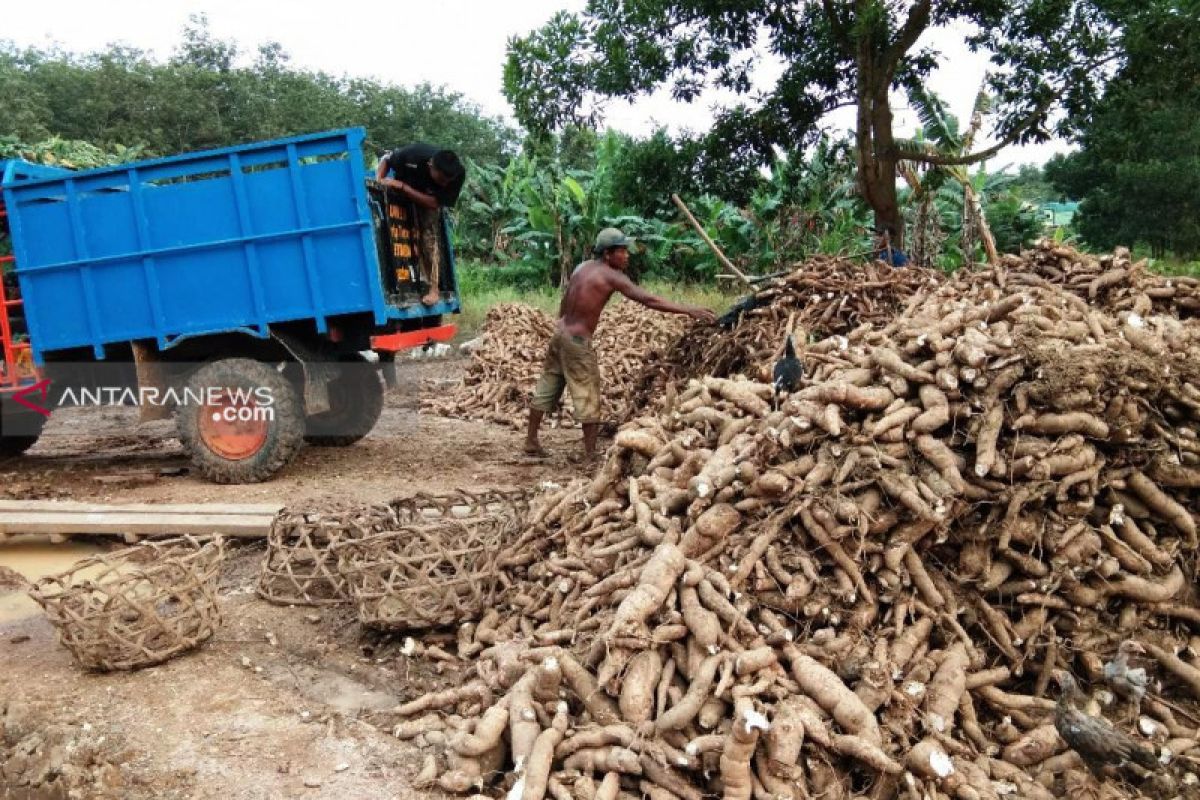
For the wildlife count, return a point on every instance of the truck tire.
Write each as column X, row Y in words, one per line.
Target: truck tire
column 249, row 448
column 355, row 403
column 30, row 426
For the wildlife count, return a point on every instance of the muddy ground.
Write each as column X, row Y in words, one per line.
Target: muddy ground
column 283, row 702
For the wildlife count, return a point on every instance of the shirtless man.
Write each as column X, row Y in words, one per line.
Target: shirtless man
column 571, row 362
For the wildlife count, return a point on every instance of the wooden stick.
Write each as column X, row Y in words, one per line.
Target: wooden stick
column 755, row 279
column 712, row 245
column 786, row 333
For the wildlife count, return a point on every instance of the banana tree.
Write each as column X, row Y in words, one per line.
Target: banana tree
column 939, row 136
column 553, row 218
column 488, row 203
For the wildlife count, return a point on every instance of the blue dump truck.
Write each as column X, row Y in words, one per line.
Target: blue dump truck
column 252, row 292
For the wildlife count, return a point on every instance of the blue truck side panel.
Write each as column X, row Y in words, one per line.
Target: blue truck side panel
column 13, row 169
column 234, row 239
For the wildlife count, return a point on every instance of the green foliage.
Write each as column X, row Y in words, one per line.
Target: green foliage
column 209, row 94
column 651, row 169
column 938, row 126
column 535, row 218
column 57, row 152
column 1172, row 266
column 549, row 65
column 1015, row 223
column 1031, row 185
column 946, row 197
column 541, row 213
column 1138, row 171
column 835, row 52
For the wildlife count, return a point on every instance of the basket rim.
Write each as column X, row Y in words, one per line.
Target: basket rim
column 350, row 509
column 53, row 587
column 424, row 526
column 464, row 497
column 516, row 492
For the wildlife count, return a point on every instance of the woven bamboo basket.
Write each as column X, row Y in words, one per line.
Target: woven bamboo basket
column 300, row 567
column 138, row 606
column 426, row 575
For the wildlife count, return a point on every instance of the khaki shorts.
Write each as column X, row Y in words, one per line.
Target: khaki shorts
column 429, row 224
column 570, row 362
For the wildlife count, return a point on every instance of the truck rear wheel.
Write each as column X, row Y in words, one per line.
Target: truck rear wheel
column 355, row 404
column 19, row 431
column 244, row 422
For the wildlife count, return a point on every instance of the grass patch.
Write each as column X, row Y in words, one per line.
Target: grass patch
column 482, row 288
column 1175, row 266
column 478, row 301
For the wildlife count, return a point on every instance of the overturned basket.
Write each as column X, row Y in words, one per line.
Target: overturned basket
column 138, row 606
column 428, row 574
column 300, row 567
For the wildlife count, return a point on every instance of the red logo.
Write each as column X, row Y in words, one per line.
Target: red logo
column 41, row 388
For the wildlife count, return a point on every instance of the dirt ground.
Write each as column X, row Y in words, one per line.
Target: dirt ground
column 282, row 702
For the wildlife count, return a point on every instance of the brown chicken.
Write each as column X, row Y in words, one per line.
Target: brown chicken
column 1098, row 743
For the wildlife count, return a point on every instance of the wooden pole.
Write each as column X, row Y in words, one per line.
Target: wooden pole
column 712, row 245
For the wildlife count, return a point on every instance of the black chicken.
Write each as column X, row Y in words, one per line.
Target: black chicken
column 789, row 371
column 730, row 319
column 1097, row 742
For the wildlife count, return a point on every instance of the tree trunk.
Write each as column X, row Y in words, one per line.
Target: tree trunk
column 926, row 243
column 564, row 271
column 971, row 201
column 876, row 146
column 887, row 202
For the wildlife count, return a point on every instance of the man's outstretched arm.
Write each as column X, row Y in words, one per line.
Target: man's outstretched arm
column 637, row 294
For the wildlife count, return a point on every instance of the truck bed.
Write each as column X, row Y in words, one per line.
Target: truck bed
column 236, row 239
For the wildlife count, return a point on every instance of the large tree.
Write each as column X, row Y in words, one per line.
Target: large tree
column 1138, row 170
column 1047, row 56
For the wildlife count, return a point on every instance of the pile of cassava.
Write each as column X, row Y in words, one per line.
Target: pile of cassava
column 822, row 297
column 827, row 296
column 504, row 369
column 863, row 589
column 1115, row 284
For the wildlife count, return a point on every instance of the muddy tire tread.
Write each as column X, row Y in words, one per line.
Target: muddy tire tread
column 283, row 442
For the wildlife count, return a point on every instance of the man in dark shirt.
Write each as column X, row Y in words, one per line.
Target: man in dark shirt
column 429, row 176
column 432, row 179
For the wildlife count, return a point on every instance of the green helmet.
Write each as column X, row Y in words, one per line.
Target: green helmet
column 610, row 238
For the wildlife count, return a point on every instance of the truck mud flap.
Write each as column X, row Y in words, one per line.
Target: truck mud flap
column 317, row 373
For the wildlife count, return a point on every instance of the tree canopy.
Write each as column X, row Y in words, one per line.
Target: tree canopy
column 210, row 93
column 1046, row 56
column 1138, row 170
